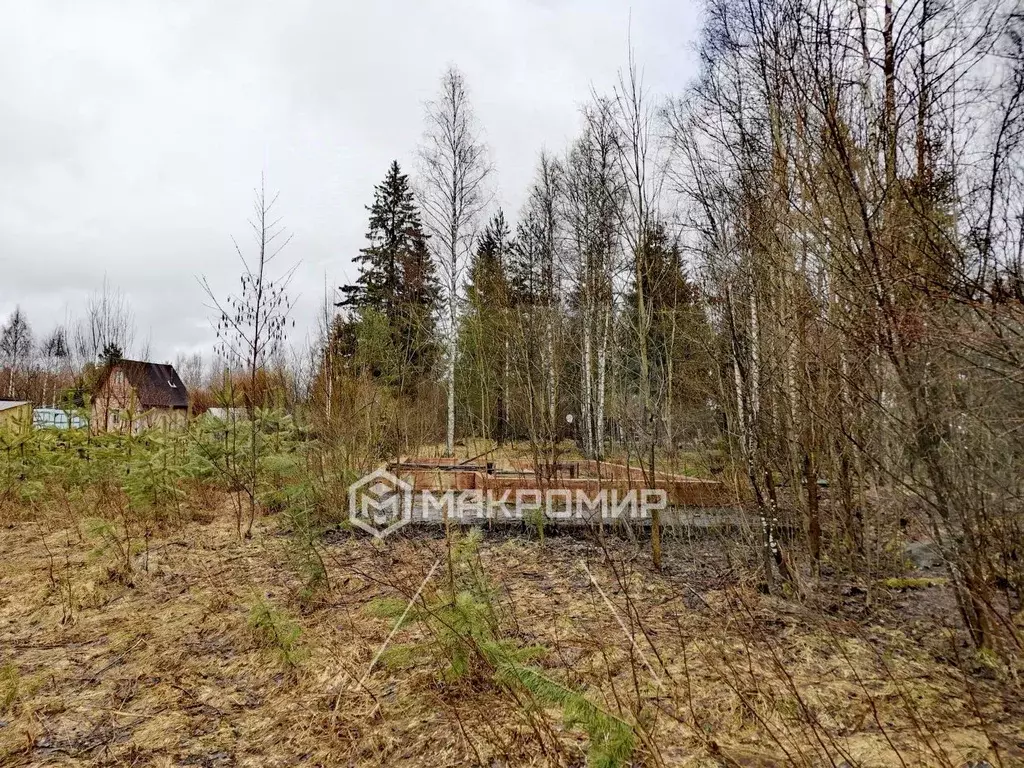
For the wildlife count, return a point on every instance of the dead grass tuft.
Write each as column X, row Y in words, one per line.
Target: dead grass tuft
column 207, row 655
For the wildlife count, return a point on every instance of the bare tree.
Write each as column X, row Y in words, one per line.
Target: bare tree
column 536, row 277
column 252, row 324
column 640, row 169
column 455, row 168
column 856, row 215
column 592, row 208
column 109, row 322
column 15, row 345
column 322, row 351
column 191, row 369
column 251, row 328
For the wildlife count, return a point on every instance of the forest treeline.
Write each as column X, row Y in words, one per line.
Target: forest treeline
column 808, row 264
column 810, row 259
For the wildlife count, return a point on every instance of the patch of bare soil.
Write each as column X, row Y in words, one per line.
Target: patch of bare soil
column 161, row 666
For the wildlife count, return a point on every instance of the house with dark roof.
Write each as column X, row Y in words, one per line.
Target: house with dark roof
column 131, row 396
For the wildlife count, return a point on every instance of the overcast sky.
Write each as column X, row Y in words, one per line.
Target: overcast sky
column 133, row 133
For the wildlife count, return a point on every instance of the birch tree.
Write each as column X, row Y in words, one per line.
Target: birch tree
column 537, row 264
column 455, row 169
column 15, row 345
column 638, row 162
column 592, row 206
column 850, row 194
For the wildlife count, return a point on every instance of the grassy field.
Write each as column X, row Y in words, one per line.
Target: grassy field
column 208, row 649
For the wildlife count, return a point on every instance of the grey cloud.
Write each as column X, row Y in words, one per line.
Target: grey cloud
column 132, row 134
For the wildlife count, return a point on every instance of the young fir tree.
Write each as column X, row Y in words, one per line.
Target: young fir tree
column 396, row 279
column 485, row 333
column 111, row 354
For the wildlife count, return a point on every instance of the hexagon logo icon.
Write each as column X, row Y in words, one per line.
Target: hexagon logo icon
column 379, row 503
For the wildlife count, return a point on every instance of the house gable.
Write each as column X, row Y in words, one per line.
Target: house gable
column 133, row 395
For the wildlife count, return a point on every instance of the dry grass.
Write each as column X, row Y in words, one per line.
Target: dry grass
column 163, row 666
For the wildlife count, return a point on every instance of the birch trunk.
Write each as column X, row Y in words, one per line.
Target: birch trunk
column 588, row 388
column 602, row 368
column 450, row 381
column 504, row 391
column 549, row 332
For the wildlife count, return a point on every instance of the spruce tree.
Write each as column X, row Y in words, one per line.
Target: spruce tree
column 678, row 337
column 488, row 272
column 485, row 332
column 393, row 215
column 111, row 354
column 396, row 275
column 524, row 264
column 418, row 297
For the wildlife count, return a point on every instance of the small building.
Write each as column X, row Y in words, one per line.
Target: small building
column 15, row 416
column 57, row 418
column 222, row 420
column 228, row 414
column 132, row 396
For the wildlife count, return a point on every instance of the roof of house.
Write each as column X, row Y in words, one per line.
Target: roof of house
column 5, row 404
column 157, row 385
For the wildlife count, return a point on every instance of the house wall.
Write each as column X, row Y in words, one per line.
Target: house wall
column 114, row 405
column 17, row 419
column 115, row 408
column 164, row 418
